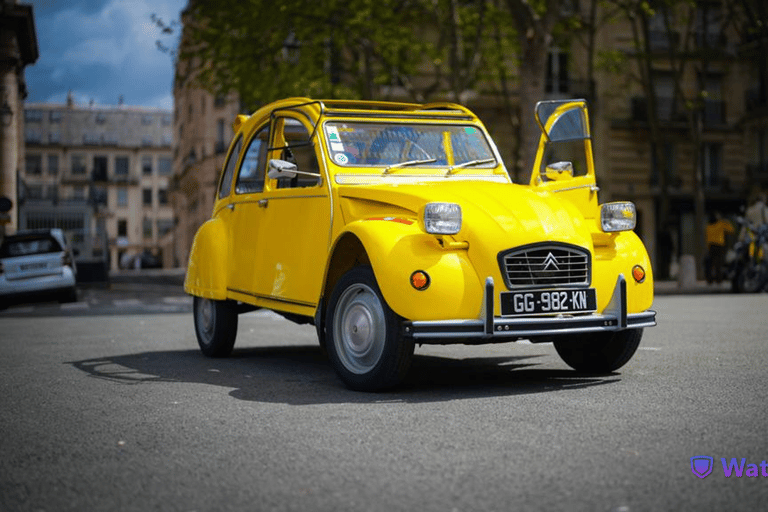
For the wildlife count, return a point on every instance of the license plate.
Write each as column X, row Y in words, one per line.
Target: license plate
column 535, row 302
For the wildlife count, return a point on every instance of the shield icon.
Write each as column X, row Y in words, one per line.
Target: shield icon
column 702, row 465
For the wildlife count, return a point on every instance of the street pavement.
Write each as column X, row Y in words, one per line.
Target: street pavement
column 122, row 412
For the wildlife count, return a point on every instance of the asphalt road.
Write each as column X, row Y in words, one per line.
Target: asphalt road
column 121, row 412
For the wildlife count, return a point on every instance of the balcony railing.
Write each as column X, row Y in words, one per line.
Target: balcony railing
column 713, row 111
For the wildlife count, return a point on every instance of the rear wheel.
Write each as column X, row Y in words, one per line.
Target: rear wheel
column 601, row 352
column 215, row 326
column 362, row 334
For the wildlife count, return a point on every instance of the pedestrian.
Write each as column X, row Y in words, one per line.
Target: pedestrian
column 716, row 249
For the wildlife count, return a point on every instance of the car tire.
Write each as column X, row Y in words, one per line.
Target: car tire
column 363, row 334
column 601, row 352
column 215, row 326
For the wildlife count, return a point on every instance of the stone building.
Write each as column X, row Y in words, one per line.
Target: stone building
column 18, row 49
column 103, row 174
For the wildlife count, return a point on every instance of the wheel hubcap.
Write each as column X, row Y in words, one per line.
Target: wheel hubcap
column 359, row 328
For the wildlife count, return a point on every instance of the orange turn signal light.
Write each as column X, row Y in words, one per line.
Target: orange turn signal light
column 420, row 280
column 638, row 273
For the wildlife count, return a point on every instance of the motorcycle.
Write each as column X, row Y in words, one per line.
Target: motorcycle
column 747, row 260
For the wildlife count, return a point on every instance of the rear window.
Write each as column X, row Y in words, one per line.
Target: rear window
column 14, row 246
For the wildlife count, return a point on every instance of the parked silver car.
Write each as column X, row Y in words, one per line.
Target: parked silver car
column 34, row 264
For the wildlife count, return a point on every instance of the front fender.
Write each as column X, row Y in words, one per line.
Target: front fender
column 396, row 248
column 207, row 269
column 619, row 256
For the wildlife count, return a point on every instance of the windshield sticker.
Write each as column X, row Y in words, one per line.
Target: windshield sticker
column 333, row 134
column 469, row 130
column 341, row 158
column 337, row 146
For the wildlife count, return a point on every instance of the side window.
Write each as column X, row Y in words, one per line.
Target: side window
column 301, row 151
column 251, row 176
column 229, row 170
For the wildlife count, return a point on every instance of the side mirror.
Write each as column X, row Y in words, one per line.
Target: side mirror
column 281, row 169
column 559, row 171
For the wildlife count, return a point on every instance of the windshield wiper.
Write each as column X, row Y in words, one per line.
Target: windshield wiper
column 409, row 162
column 470, row 163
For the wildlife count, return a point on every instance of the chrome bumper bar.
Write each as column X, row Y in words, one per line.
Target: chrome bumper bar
column 489, row 328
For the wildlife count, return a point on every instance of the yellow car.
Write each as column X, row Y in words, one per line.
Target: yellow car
column 390, row 224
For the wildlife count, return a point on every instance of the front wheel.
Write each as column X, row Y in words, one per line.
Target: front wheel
column 362, row 334
column 601, row 352
column 215, row 326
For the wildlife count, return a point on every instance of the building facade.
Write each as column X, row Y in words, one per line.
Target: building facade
column 103, row 174
column 18, row 49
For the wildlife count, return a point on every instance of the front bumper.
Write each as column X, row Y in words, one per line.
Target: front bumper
column 490, row 329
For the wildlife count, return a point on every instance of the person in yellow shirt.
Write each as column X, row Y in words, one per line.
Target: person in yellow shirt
column 716, row 249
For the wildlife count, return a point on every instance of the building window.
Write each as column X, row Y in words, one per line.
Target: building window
column 557, row 72
column 164, row 166
column 146, row 119
column 34, row 165
column 162, row 196
column 54, row 137
column 167, row 139
column 53, row 165
column 147, row 228
column 34, row 192
column 121, row 166
column 146, row 165
column 78, row 193
column 32, row 136
column 711, row 163
column 668, row 150
column 146, row 195
column 54, row 116
column 164, row 226
column 33, row 116
column 99, row 168
column 146, row 141
column 709, row 24
column 77, row 163
column 166, row 120
column 122, row 227
column 219, row 101
column 101, row 118
column 122, row 196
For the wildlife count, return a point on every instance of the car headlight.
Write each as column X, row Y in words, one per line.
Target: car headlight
column 442, row 218
column 619, row 216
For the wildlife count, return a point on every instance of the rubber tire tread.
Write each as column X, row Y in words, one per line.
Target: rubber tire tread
column 602, row 352
column 224, row 328
column 396, row 358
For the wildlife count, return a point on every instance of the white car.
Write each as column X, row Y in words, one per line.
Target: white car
column 36, row 263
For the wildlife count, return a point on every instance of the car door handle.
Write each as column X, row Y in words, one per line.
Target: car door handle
column 263, row 203
column 231, row 207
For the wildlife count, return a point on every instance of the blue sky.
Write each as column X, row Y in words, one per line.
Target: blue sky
column 101, row 49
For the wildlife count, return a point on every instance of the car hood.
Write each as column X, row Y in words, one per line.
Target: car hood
column 498, row 215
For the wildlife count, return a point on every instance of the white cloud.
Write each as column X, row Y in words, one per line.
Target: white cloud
column 107, row 52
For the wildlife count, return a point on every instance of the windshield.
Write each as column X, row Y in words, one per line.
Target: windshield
column 396, row 146
column 28, row 245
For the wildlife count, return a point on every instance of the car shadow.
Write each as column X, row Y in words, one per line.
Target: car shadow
column 302, row 375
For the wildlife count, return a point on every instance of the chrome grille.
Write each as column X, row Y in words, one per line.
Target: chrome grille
column 545, row 266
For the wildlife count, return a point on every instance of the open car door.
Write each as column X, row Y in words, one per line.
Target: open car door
column 564, row 163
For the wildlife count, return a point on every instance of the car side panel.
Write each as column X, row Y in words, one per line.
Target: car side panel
column 396, row 250
column 207, row 269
